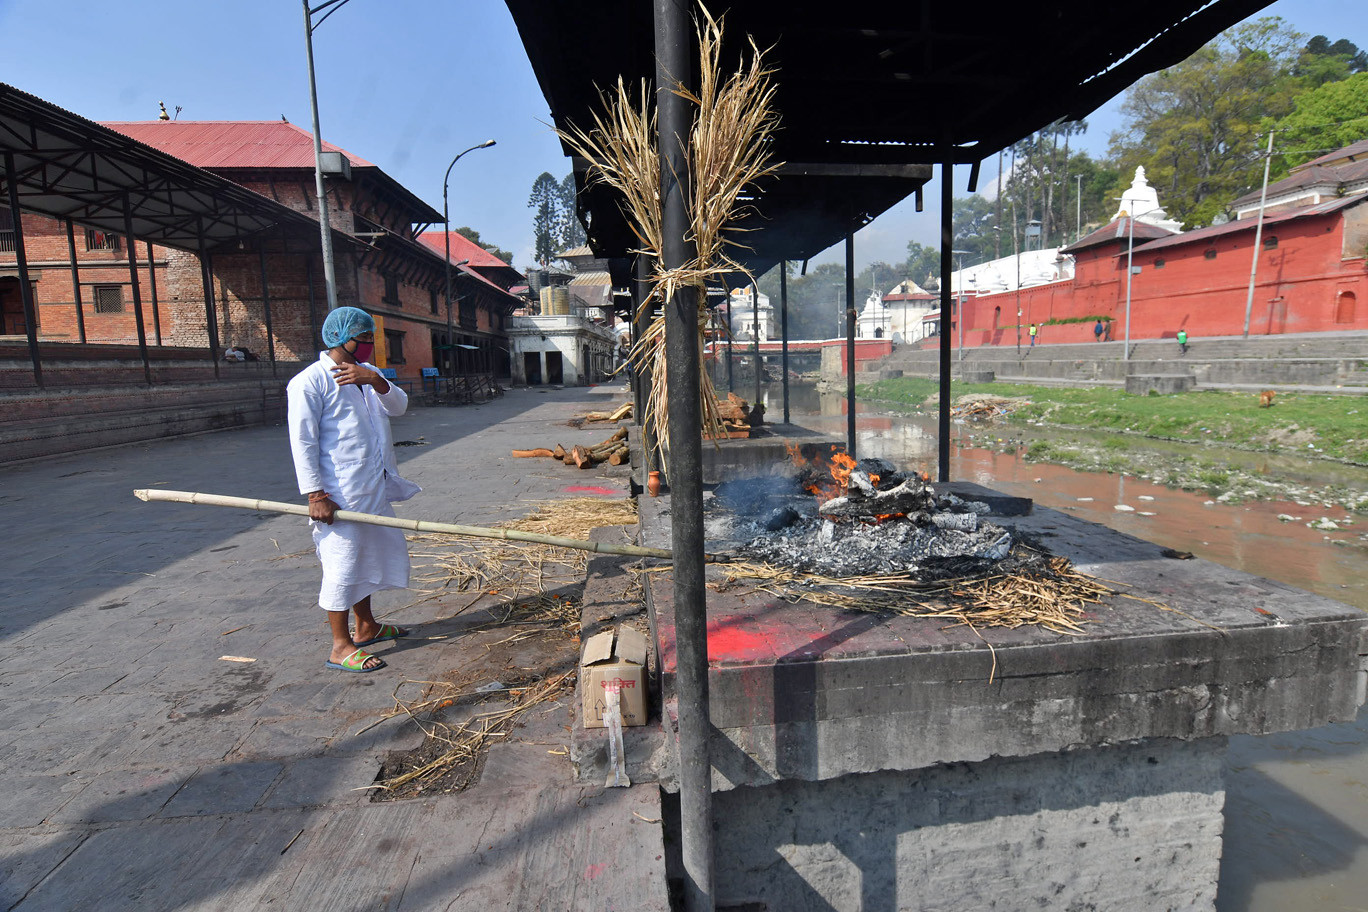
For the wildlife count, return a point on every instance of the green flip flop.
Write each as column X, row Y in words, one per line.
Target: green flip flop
column 356, row 662
column 387, row 632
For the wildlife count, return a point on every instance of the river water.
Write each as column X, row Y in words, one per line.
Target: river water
column 1296, row 819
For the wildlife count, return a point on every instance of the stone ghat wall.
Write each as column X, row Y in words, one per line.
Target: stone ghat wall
column 37, row 424
column 1131, row 827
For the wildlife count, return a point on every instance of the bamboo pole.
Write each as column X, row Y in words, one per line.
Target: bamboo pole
column 394, row 522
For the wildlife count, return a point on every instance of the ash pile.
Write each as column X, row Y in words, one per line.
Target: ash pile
column 867, row 519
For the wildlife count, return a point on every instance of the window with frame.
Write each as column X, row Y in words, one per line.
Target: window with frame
column 1270, row 242
column 109, row 299
column 101, row 240
column 432, row 299
column 1210, row 254
column 394, row 347
column 1159, row 263
column 392, row 289
column 6, row 231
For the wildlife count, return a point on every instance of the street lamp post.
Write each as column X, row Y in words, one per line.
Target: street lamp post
column 1130, row 274
column 446, row 233
column 959, row 305
column 324, row 227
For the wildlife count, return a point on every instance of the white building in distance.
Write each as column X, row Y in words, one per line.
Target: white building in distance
column 742, row 309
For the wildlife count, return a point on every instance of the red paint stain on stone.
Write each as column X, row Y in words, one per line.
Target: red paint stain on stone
column 594, row 870
column 727, row 641
column 590, row 489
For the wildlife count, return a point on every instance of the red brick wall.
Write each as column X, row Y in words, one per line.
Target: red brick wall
column 1304, row 284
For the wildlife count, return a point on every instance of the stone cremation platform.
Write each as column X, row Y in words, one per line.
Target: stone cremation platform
column 865, row 761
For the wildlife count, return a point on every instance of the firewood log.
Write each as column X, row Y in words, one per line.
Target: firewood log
column 558, row 452
column 622, row 411
column 525, row 454
column 618, row 457
column 581, row 458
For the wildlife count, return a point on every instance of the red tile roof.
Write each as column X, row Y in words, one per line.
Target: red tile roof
column 231, row 143
column 462, row 248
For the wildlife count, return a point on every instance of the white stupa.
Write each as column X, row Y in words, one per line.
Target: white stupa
column 1142, row 201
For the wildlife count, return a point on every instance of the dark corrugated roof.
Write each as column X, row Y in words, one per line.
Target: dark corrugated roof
column 870, row 84
column 1303, row 178
column 1204, row 235
column 1118, row 230
column 1352, row 151
column 71, row 167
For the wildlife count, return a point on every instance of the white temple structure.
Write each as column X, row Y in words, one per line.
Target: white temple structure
column 896, row 314
column 1142, row 201
column 742, row 310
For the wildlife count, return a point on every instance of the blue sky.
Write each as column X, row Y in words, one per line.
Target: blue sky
column 406, row 84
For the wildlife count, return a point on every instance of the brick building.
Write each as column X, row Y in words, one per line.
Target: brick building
column 83, row 287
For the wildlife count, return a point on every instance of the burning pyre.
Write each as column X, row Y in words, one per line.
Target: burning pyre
column 879, row 540
column 839, row 517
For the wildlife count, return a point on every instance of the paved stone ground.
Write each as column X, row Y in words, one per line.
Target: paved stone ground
column 146, row 773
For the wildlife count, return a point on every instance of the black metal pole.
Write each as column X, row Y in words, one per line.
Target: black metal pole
column 850, row 343
column 21, row 258
column 137, row 287
column 783, row 330
column 672, row 31
column 755, row 334
column 947, row 236
column 76, row 282
column 210, row 315
column 642, row 376
column 152, row 280
column 266, row 303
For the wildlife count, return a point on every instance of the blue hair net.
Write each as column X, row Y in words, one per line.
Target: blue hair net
column 346, row 323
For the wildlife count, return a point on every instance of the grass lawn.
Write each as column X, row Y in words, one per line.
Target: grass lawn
column 1327, row 426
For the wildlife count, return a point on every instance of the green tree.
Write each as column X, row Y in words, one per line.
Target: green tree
column 922, row 264
column 1325, row 118
column 570, row 233
column 470, row 234
column 545, row 203
column 1322, row 61
column 1195, row 125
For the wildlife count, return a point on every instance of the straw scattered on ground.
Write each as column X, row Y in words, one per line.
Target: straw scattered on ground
column 522, row 587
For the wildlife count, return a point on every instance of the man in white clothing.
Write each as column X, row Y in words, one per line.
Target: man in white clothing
column 339, row 411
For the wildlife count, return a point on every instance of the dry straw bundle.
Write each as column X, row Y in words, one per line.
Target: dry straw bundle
column 728, row 153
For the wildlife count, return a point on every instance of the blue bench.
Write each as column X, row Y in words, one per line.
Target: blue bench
column 392, row 376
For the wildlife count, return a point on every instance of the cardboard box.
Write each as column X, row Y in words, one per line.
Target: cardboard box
column 617, row 660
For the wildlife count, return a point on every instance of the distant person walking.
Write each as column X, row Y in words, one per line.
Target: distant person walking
column 1032, row 331
column 1099, row 330
column 1182, row 341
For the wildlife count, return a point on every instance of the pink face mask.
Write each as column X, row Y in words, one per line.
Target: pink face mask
column 363, row 352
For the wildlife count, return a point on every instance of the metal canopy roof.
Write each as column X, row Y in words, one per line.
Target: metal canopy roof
column 70, row 167
column 875, row 83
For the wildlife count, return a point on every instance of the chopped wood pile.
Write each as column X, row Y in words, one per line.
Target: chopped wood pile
column 612, row 451
column 736, row 415
column 617, row 414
